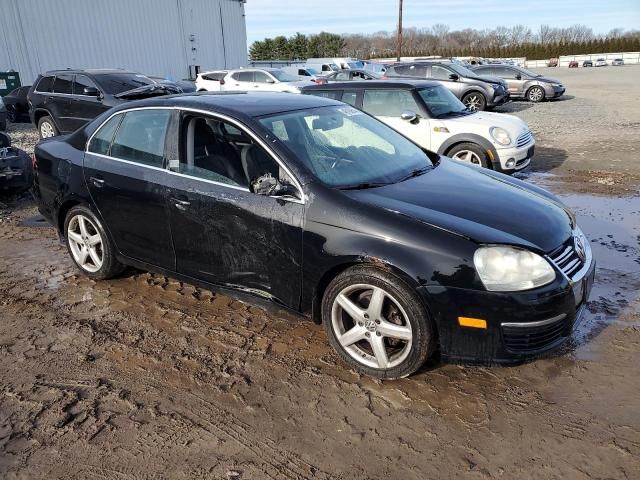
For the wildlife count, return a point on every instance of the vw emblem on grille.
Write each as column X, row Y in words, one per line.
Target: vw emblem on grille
column 580, row 248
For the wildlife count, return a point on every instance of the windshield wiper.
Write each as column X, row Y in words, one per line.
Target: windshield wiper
column 416, row 173
column 364, row 185
column 455, row 113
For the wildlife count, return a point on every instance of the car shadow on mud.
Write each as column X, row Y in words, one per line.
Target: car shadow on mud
column 545, row 159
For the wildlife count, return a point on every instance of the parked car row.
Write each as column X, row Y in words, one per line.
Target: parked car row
column 323, row 209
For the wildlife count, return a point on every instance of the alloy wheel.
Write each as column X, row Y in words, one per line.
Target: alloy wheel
column 371, row 326
column 536, row 94
column 46, row 130
column 473, row 102
column 468, row 156
column 85, row 243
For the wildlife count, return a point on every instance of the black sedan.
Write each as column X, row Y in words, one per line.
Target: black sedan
column 324, row 210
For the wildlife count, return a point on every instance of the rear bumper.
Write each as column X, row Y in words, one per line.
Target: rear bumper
column 520, row 325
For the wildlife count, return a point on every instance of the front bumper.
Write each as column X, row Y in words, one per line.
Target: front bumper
column 554, row 92
column 520, row 325
column 514, row 159
column 500, row 97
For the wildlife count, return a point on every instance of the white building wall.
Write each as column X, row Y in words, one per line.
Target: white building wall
column 157, row 37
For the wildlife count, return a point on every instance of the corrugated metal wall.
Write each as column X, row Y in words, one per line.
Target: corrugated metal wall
column 158, row 37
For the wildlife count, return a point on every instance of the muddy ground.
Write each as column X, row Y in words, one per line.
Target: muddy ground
column 146, row 377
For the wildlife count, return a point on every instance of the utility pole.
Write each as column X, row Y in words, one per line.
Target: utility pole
column 399, row 40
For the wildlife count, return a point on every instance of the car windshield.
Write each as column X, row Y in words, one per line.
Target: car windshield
column 123, row 82
column 345, row 148
column 283, row 76
column 356, row 65
column 462, row 70
column 442, row 103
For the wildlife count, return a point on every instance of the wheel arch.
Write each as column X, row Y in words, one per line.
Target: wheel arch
column 457, row 139
column 42, row 112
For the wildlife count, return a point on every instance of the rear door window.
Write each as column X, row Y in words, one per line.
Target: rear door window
column 63, row 84
column 82, row 82
column 388, row 103
column 243, row 76
column 101, row 141
column 141, row 137
column 45, row 84
column 411, row 70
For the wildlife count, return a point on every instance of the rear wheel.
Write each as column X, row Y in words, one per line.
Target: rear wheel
column 470, row 153
column 12, row 116
column 377, row 323
column 474, row 101
column 89, row 245
column 535, row 94
column 46, row 127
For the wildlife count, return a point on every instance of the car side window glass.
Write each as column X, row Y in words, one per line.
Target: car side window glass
column 412, row 70
column 441, row 73
column 350, row 98
column 45, row 84
column 342, row 76
column 261, row 77
column 141, row 137
column 388, row 102
column 101, row 141
column 81, row 83
column 505, row 72
column 218, row 151
column 332, row 94
column 63, row 84
column 244, row 76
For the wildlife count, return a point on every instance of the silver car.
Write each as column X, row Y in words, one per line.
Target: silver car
column 523, row 83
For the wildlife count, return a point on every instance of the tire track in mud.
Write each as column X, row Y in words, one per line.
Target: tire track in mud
column 279, row 463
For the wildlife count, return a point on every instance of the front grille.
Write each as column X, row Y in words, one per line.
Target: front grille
column 566, row 258
column 524, row 138
column 535, row 336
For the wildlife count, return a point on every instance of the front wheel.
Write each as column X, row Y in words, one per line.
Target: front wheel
column 12, row 116
column 46, row 127
column 535, row 94
column 377, row 323
column 474, row 101
column 470, row 153
column 89, row 245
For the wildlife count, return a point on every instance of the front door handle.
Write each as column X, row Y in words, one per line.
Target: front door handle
column 179, row 203
column 98, row 182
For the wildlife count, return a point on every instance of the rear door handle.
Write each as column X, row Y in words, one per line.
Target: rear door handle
column 98, row 182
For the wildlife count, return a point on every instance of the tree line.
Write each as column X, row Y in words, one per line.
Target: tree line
column 501, row 42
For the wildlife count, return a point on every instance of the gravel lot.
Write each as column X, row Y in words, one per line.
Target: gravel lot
column 145, row 377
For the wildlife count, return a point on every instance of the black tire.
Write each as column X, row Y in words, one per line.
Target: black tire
column 483, row 159
column 47, row 120
column 5, row 140
column 535, row 94
column 3, row 125
column 422, row 331
column 475, row 101
column 111, row 267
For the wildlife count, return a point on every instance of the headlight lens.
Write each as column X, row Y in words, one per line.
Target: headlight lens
column 509, row 269
column 500, row 135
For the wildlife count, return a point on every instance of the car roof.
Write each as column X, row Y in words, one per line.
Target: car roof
column 236, row 104
column 379, row 84
column 93, row 71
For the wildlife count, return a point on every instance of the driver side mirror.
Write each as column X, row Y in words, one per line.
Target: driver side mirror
column 270, row 80
column 518, row 77
column 91, row 92
column 270, row 186
column 409, row 116
column 454, row 76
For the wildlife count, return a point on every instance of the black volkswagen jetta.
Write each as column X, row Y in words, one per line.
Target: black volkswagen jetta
column 324, row 210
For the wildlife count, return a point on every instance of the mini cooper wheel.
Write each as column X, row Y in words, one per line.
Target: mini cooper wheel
column 535, row 94
column 470, row 153
column 89, row 245
column 377, row 323
column 474, row 101
column 46, row 127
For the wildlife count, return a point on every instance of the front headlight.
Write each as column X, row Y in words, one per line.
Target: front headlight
column 510, row 269
column 500, row 135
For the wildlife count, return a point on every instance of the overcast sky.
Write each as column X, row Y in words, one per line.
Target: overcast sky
column 270, row 18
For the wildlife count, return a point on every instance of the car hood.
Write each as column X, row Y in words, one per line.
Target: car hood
column 486, row 207
column 151, row 90
column 489, row 79
column 482, row 121
column 547, row 80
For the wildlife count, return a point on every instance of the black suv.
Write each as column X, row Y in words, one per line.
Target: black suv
column 62, row 101
column 476, row 92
